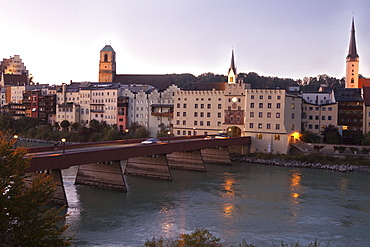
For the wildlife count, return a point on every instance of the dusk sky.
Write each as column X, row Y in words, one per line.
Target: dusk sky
column 60, row 41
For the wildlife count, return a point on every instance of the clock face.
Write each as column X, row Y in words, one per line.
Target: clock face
column 234, row 105
column 234, row 99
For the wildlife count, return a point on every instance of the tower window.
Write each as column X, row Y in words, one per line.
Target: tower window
column 105, row 58
column 352, row 80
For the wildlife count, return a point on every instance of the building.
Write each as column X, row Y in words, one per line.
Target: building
column 13, row 72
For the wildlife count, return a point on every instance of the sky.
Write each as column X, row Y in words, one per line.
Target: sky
column 60, row 41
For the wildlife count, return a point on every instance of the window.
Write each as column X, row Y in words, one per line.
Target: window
column 316, row 126
column 310, row 117
column 329, row 118
column 219, row 106
column 293, row 115
column 184, row 105
column 251, row 114
column 208, row 123
column 323, row 108
column 277, row 137
column 196, row 106
column 208, row 106
column 184, row 114
column 278, row 115
column 260, row 105
column 278, row 97
column 218, row 124
column 195, row 114
column 252, row 105
column 178, row 122
column 184, row 122
column 330, row 108
column 268, row 105
column 259, row 136
column 219, row 114
column 195, row 122
column 260, row 125
column 178, row 105
column 293, row 106
column 202, row 106
column 202, row 114
column 208, row 114
column 278, row 105
column 261, row 96
column 251, row 125
column 252, row 96
column 177, row 114
column 277, row 126
column 184, row 132
column 268, row 126
column 269, row 115
column 310, row 126
column 260, row 114
column 201, row 123
column 269, row 97
column 292, row 126
column 322, row 117
column 178, row 132
column 316, row 117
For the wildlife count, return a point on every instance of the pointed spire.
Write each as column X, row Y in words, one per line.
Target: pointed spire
column 232, row 66
column 352, row 52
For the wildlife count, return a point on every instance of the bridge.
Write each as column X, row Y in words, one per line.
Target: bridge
column 104, row 164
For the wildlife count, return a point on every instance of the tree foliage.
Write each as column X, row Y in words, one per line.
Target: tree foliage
column 24, row 218
column 331, row 135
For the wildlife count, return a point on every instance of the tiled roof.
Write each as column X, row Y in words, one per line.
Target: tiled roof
column 15, row 80
column 107, row 48
column 348, row 95
column 160, row 82
column 211, row 85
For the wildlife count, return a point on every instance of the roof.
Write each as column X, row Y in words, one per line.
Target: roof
column 15, row 80
column 366, row 93
column 108, row 48
column 352, row 51
column 211, row 85
column 160, row 82
column 348, row 95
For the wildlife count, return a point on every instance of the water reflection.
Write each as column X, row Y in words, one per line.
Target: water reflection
column 229, row 192
column 295, row 186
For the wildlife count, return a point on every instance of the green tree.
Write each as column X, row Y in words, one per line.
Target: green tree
column 24, row 218
column 141, row 132
column 308, row 136
column 366, row 140
column 331, row 135
column 65, row 124
column 6, row 123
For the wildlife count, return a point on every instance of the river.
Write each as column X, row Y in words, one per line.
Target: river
column 259, row 203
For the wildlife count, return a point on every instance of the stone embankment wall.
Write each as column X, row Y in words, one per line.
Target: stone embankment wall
column 293, row 163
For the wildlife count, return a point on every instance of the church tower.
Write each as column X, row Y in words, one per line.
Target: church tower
column 107, row 64
column 232, row 75
column 352, row 61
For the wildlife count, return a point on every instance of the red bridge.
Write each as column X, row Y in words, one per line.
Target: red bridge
column 103, row 164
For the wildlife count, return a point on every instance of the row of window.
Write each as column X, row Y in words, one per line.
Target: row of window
column 268, row 97
column 268, row 126
column 201, row 106
column 310, row 117
column 200, row 114
column 201, row 123
column 269, row 105
column 197, row 99
column 276, row 137
column 268, row 115
column 310, row 108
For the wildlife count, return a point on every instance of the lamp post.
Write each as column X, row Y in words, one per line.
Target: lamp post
column 169, row 134
column 64, row 145
column 126, row 135
column 16, row 139
column 229, row 132
column 194, row 131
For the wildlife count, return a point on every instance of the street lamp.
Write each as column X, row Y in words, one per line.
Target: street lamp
column 126, row 135
column 169, row 134
column 64, row 145
column 229, row 132
column 194, row 131
column 16, row 138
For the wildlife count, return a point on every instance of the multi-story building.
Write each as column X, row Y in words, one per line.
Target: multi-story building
column 13, row 72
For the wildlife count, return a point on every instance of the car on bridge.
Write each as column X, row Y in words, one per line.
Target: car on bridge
column 151, row 141
column 221, row 136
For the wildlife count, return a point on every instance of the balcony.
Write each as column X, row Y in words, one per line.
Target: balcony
column 162, row 114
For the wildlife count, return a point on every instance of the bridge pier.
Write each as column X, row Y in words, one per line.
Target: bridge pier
column 155, row 166
column 188, row 160
column 218, row 155
column 103, row 176
column 59, row 196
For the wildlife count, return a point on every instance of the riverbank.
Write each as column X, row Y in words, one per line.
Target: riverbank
column 273, row 160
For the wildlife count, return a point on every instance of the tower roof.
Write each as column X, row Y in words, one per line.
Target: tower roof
column 107, row 48
column 352, row 52
column 232, row 65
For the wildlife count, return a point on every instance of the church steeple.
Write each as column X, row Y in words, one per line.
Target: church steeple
column 352, row 51
column 352, row 61
column 107, row 64
column 232, row 70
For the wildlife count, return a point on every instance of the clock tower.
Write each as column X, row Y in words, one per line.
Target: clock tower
column 107, row 64
column 352, row 61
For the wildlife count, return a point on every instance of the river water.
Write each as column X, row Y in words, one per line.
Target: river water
column 259, row 203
